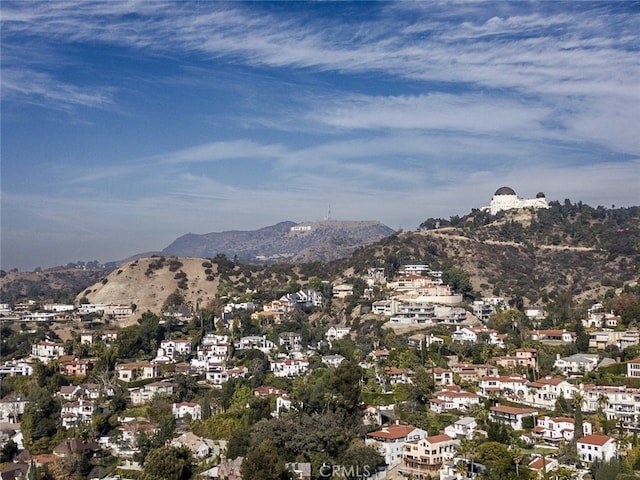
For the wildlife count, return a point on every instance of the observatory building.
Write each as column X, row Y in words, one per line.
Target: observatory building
column 505, row 198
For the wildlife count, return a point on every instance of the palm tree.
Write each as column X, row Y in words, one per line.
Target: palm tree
column 516, row 456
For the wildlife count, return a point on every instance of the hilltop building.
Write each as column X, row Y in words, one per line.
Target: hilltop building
column 505, row 198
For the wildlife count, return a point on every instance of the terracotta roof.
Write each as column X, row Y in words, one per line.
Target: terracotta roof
column 635, row 360
column 539, row 462
column 393, row 432
column 595, row 439
column 438, row 438
column 512, row 410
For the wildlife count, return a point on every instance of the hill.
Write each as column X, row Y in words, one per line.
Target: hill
column 527, row 256
column 285, row 241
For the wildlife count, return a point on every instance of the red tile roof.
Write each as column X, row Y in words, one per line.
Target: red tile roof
column 595, row 439
column 392, row 432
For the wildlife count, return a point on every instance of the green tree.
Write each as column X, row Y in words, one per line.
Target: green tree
column 168, row 463
column 264, row 462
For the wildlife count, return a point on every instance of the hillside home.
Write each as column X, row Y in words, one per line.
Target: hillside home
column 290, row 340
column 13, row 368
column 333, row 361
column 544, row 392
column 442, row 376
column 76, row 367
column 465, row 427
column 268, row 391
column 452, row 398
column 342, row 290
column 86, row 337
column 576, row 364
column 256, row 342
column 633, row 368
column 522, row 357
column 509, row 385
column 555, row 429
column 596, row 447
column 419, row 340
column 540, row 465
column 46, row 350
column 77, row 412
column 426, row 457
column 130, row 372
column 198, row 446
column 511, row 416
column 553, row 336
column 471, row 372
column 182, row 409
column 389, row 441
column 173, row 347
column 412, row 312
column 142, row 395
column 290, row 367
column 337, row 332
column 397, row 375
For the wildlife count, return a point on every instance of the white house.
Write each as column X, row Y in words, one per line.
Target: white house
column 511, row 416
column 290, row 367
column 182, row 409
column 46, row 350
column 389, row 441
column 596, row 447
column 554, row 429
column 578, row 363
column 337, row 332
column 465, row 427
column 453, row 398
column 426, row 457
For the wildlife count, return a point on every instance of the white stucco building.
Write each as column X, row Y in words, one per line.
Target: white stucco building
column 505, row 198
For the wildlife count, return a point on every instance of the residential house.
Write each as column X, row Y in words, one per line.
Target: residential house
column 333, row 360
column 46, row 350
column 290, row 340
column 255, row 342
column 522, row 357
column 342, row 290
column 426, row 457
column 397, row 375
column 143, row 395
column 389, row 441
column 182, row 409
column 290, row 367
column 509, row 385
column 380, row 354
column 465, row 427
column 442, row 376
column 551, row 336
column 596, row 447
column 419, row 339
column 453, row 398
column 542, row 465
column 578, row 363
column 337, row 332
column 300, row 470
column 130, row 372
column 174, row 347
column 633, row 368
column 198, row 446
column 471, row 372
column 544, row 392
column 268, row 391
column 555, row 429
column 80, row 411
column 511, row 416
column 76, row 367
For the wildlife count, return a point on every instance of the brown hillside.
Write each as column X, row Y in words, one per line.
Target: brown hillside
column 147, row 282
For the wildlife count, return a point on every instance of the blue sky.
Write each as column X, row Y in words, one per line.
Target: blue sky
column 128, row 124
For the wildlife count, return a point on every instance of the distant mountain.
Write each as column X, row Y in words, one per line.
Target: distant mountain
column 284, row 241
